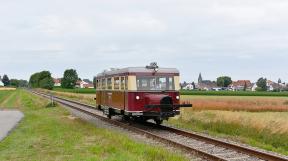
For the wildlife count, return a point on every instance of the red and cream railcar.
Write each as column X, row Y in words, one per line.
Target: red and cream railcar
column 139, row 92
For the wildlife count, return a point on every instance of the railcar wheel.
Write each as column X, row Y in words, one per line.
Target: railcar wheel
column 126, row 118
column 158, row 121
column 109, row 116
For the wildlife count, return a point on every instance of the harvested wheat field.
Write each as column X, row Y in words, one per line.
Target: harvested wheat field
column 238, row 103
column 7, row 89
column 258, row 121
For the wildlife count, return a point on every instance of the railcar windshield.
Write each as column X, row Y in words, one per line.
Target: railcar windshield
column 155, row 83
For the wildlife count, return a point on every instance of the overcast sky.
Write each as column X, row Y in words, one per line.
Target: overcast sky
column 243, row 39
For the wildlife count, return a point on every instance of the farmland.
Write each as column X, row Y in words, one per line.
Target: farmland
column 233, row 93
column 51, row 134
column 258, row 121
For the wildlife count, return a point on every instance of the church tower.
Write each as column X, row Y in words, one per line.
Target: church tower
column 200, row 78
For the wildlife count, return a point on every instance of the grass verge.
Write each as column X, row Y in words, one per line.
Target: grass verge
column 50, row 134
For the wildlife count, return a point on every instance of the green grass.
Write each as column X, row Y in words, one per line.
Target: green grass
column 76, row 90
column 49, row 134
column 233, row 93
column 263, row 138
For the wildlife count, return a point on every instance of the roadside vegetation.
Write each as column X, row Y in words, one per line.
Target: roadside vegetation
column 52, row 134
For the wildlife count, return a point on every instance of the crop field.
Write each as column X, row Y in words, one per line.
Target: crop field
column 233, row 93
column 258, row 121
column 238, row 103
column 52, row 134
column 7, row 89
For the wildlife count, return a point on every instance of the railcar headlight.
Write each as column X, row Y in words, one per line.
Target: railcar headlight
column 137, row 97
column 177, row 97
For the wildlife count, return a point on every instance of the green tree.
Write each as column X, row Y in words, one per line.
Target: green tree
column 45, row 80
column 262, row 84
column 224, row 81
column 41, row 80
column 23, row 83
column 5, row 80
column 69, row 79
column 94, row 82
column 34, row 80
column 245, row 86
column 14, row 82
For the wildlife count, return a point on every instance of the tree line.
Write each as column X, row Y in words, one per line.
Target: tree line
column 44, row 79
column 13, row 82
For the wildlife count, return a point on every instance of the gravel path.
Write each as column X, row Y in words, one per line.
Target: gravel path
column 8, row 121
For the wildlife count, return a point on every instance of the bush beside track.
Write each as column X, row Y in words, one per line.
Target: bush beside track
column 233, row 93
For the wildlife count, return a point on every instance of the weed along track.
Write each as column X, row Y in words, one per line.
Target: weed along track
column 206, row 147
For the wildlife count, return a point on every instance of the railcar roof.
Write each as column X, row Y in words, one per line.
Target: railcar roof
column 139, row 70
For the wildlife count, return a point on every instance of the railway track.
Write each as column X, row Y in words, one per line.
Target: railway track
column 207, row 147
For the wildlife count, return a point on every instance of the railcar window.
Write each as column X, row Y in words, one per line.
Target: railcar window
column 109, row 83
column 116, row 83
column 122, row 83
column 103, row 84
column 126, row 83
column 155, row 83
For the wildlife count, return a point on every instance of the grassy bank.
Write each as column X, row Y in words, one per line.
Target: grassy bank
column 233, row 93
column 51, row 134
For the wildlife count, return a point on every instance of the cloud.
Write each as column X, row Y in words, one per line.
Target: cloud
column 192, row 35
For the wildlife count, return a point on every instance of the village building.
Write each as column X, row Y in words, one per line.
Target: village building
column 83, row 84
column 206, row 85
column 189, row 86
column 1, row 83
column 241, row 85
column 57, row 82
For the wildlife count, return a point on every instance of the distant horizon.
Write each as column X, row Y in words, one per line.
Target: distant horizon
column 195, row 79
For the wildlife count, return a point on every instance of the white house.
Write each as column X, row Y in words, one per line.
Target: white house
column 57, row 82
column 189, row 86
column 1, row 83
column 83, row 84
column 254, row 86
